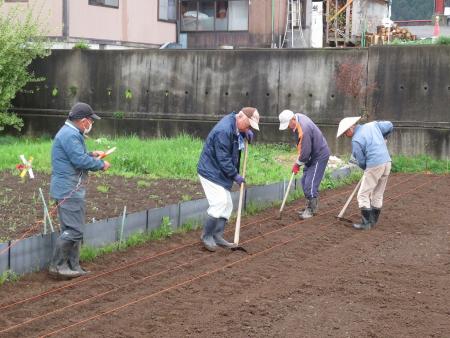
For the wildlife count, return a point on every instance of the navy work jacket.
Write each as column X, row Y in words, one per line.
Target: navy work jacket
column 219, row 160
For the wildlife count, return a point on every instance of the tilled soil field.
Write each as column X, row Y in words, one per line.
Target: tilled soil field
column 314, row 278
column 21, row 209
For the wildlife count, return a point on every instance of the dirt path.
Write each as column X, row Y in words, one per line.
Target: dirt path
column 303, row 279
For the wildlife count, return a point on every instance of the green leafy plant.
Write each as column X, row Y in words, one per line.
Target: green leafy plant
column 21, row 41
column 73, row 90
column 128, row 94
column 8, row 276
column 81, row 45
column 143, row 184
column 10, row 119
column 55, row 92
column 443, row 40
column 165, row 230
column 118, row 115
column 186, row 197
column 103, row 188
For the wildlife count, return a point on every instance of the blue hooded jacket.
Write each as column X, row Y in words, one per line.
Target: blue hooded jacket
column 219, row 160
column 70, row 163
column 368, row 144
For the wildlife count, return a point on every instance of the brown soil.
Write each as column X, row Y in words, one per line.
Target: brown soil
column 21, row 206
column 302, row 279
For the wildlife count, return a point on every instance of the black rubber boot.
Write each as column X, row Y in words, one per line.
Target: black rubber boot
column 74, row 259
column 218, row 235
column 314, row 205
column 308, row 212
column 208, row 232
column 375, row 215
column 366, row 220
column 59, row 265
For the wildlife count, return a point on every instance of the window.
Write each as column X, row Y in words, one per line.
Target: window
column 189, row 15
column 105, row 3
column 214, row 15
column 167, row 10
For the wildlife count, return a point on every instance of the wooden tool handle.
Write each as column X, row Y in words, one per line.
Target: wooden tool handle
column 237, row 229
column 287, row 192
column 349, row 199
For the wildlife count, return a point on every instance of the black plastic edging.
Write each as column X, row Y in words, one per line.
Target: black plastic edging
column 174, row 212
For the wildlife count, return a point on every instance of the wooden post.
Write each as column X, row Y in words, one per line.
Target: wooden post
column 336, row 25
column 327, row 36
column 347, row 22
column 122, row 225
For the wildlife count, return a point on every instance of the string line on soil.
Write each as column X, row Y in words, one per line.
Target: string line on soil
column 210, row 272
column 167, row 270
column 145, row 259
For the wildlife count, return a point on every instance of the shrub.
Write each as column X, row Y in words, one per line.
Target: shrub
column 21, row 41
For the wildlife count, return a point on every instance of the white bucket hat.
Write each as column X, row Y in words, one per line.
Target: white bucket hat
column 346, row 123
column 285, row 116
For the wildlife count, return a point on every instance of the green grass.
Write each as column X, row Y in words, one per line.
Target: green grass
column 441, row 40
column 405, row 164
column 151, row 158
column 177, row 158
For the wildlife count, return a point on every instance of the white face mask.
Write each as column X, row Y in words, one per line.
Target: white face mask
column 87, row 130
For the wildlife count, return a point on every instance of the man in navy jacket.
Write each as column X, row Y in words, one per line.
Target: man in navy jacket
column 218, row 168
column 370, row 152
column 70, row 165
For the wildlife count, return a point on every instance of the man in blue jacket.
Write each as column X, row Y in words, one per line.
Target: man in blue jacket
column 70, row 165
column 218, row 168
column 313, row 155
column 370, row 153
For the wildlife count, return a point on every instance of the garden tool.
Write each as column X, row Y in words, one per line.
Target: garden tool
column 285, row 196
column 341, row 214
column 239, row 211
column 106, row 153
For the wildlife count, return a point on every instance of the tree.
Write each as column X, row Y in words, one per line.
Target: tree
column 21, row 41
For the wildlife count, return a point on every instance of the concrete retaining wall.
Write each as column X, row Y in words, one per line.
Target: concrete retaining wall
column 153, row 93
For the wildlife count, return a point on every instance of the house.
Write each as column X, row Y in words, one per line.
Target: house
column 244, row 23
column 105, row 24
column 350, row 19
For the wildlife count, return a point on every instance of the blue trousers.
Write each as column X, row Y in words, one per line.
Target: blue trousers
column 312, row 176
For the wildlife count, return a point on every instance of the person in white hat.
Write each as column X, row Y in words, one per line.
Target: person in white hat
column 218, row 168
column 313, row 154
column 370, row 153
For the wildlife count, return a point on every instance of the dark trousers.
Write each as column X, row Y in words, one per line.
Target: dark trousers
column 312, row 176
column 71, row 214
